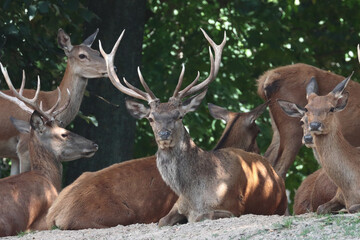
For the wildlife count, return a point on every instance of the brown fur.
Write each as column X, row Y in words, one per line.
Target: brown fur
column 130, row 192
column 74, row 79
column 289, row 83
column 25, row 198
column 315, row 190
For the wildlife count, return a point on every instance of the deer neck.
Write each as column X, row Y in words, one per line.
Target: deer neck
column 45, row 162
column 176, row 165
column 337, row 157
column 76, row 85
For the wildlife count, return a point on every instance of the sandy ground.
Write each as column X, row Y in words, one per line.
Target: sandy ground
column 308, row 226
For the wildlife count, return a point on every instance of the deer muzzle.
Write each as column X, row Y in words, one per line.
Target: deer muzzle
column 316, row 127
column 308, row 140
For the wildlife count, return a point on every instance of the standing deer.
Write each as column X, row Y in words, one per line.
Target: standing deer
column 25, row 198
column 289, row 83
column 133, row 191
column 83, row 63
column 210, row 185
column 337, row 156
column 317, row 188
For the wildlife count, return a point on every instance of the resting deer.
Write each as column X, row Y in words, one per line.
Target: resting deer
column 289, row 83
column 317, row 188
column 83, row 63
column 214, row 184
column 331, row 146
column 133, row 191
column 25, row 198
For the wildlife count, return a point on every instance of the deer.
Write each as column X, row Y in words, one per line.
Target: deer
column 317, row 188
column 289, row 83
column 210, row 185
column 133, row 191
column 25, row 198
column 337, row 156
column 83, row 63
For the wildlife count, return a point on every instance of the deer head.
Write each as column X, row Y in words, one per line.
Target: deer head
column 165, row 118
column 44, row 127
column 318, row 115
column 84, row 61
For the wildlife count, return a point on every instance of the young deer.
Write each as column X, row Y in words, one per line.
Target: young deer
column 214, row 184
column 289, row 83
column 317, row 188
column 324, row 125
column 83, row 63
column 133, row 191
column 25, row 198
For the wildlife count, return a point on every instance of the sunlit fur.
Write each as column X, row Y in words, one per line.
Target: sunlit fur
column 75, row 79
column 197, row 175
column 289, row 83
column 25, row 198
column 133, row 191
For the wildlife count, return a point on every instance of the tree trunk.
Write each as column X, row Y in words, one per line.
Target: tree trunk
column 116, row 128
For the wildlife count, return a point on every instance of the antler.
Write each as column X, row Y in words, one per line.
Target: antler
column 130, row 89
column 214, row 69
column 21, row 101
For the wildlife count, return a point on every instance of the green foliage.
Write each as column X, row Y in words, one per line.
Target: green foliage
column 262, row 34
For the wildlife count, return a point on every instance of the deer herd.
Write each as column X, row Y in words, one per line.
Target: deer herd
column 182, row 182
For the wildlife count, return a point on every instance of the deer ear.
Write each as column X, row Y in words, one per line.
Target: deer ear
column 342, row 102
column 338, row 90
column 256, row 112
column 64, row 41
column 89, row 41
column 312, row 87
column 190, row 104
column 291, row 109
column 218, row 112
column 20, row 125
column 36, row 122
column 136, row 109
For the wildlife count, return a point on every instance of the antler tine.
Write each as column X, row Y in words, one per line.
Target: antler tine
column 214, row 68
column 150, row 95
column 132, row 87
column 12, row 99
column 190, row 85
column 109, row 59
column 22, row 83
column 52, row 109
column 61, row 109
column 358, row 51
column 180, row 81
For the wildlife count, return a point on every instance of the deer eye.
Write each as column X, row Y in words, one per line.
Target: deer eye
column 64, row 135
column 301, row 123
column 332, row 109
column 306, row 110
column 150, row 119
column 82, row 56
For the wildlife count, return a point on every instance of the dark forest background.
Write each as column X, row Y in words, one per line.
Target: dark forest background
column 160, row 36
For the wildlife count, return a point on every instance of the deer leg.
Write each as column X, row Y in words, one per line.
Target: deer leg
column 15, row 168
column 290, row 133
column 354, row 208
column 173, row 217
column 216, row 214
column 334, row 205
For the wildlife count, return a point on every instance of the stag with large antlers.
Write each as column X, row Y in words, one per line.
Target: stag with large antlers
column 83, row 63
column 210, row 185
column 25, row 198
column 133, row 191
column 337, row 156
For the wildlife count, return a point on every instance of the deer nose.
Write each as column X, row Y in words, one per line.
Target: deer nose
column 308, row 139
column 315, row 126
column 164, row 134
column 96, row 146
